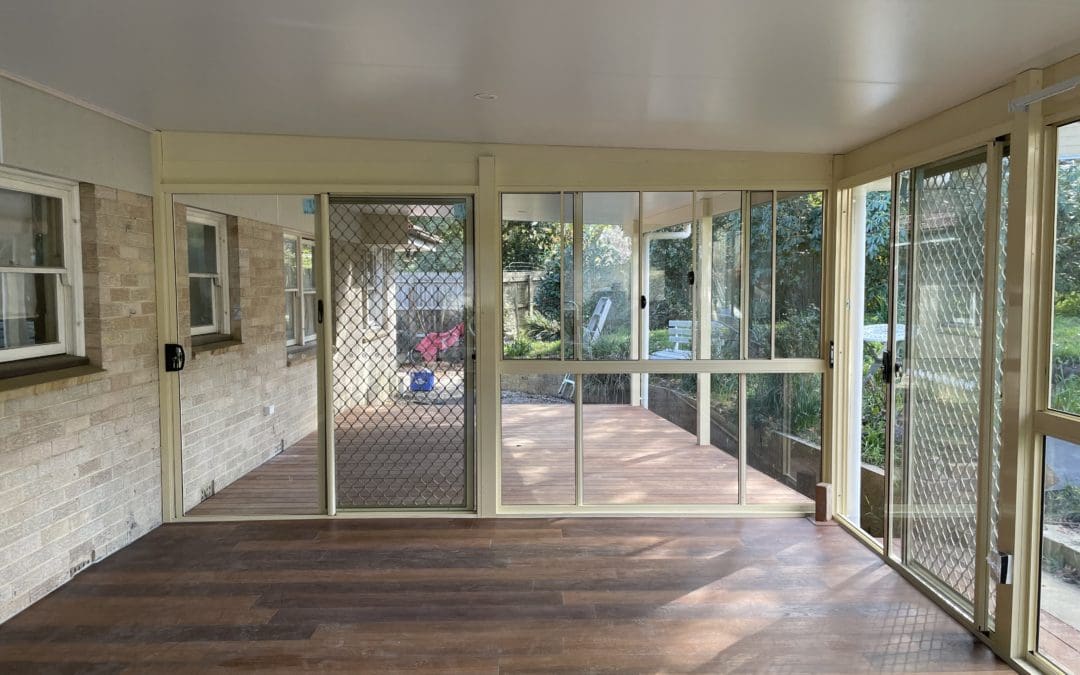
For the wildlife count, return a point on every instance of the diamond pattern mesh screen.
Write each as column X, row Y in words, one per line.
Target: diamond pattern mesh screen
column 402, row 352
column 945, row 364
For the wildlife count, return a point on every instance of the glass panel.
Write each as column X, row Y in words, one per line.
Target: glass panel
column 945, row 358
column 783, row 441
column 723, row 210
column 291, row 263
column 307, row 264
column 1065, row 357
column 202, row 249
column 290, row 315
column 647, row 451
column 202, row 301
column 533, row 234
column 1059, row 596
column 761, row 275
column 537, row 440
column 31, row 230
column 871, row 211
column 901, row 390
column 799, row 218
column 310, row 313
column 607, row 245
column 28, row 311
column 724, row 427
column 668, row 248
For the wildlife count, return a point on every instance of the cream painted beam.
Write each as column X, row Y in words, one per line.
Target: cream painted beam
column 201, row 162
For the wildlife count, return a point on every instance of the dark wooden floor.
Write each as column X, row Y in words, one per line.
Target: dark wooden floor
column 465, row 596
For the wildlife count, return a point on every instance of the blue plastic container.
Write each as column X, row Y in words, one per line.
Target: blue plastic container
column 422, row 380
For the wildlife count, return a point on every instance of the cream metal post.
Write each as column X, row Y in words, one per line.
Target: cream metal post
column 488, row 294
column 1016, row 603
column 172, row 475
column 703, row 305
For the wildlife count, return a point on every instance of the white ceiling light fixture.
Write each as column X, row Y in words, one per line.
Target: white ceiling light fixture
column 485, row 96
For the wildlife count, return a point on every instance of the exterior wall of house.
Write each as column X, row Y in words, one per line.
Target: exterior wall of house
column 226, row 389
column 80, row 472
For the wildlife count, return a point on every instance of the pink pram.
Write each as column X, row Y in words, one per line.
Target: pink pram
column 433, row 344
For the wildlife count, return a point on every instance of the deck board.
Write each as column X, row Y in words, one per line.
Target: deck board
column 632, row 456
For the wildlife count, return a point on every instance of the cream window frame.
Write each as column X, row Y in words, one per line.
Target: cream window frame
column 69, row 287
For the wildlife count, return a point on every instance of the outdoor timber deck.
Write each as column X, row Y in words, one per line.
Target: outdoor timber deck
column 632, row 456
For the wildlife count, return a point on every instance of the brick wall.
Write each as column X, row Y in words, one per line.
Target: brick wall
column 225, row 390
column 79, row 458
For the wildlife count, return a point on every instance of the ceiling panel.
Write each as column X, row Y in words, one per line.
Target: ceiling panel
column 788, row 75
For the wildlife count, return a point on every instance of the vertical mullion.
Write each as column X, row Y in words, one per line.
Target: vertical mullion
column 637, row 327
column 772, row 285
column 579, row 442
column 579, row 347
column 744, row 282
column 890, row 388
column 742, row 438
column 562, row 276
column 325, row 356
column 702, row 307
column 579, row 274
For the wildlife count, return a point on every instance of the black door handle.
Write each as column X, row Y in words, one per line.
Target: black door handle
column 175, row 358
column 886, row 366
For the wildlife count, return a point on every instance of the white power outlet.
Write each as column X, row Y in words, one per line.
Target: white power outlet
column 268, row 410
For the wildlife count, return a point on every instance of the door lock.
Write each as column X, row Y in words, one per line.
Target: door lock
column 175, row 358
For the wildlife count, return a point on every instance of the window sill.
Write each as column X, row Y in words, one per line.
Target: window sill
column 298, row 354
column 32, row 372
column 213, row 344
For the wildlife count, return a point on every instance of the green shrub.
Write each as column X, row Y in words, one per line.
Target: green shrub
column 520, row 347
column 542, row 328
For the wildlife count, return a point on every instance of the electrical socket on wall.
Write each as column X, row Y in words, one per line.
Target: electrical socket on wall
column 268, row 410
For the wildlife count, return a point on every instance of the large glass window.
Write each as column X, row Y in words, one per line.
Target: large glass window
column 721, row 213
column 602, row 282
column 667, row 282
column 761, row 275
column 608, row 221
column 537, row 262
column 799, row 221
column 783, row 437
column 1065, row 357
column 39, row 269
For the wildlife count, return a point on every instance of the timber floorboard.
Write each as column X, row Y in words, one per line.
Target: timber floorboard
column 627, row 595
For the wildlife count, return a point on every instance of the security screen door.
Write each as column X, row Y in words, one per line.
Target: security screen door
column 403, row 355
column 927, row 313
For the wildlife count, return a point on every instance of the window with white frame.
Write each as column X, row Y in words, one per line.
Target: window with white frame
column 208, row 276
column 299, row 290
column 40, row 267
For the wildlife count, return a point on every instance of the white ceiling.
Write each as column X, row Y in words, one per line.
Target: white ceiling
column 794, row 75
